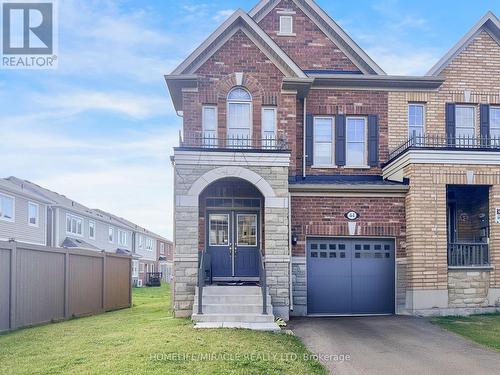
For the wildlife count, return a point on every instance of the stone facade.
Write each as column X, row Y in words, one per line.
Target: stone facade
column 192, row 176
column 468, row 289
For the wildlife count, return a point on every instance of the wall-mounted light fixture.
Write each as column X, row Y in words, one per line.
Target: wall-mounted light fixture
column 295, row 238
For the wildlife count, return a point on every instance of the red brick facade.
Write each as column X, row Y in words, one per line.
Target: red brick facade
column 324, row 216
column 308, row 41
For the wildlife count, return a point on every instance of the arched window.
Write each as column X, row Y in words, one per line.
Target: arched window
column 239, row 118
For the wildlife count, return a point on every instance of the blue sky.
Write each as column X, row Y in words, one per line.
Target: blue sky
column 100, row 129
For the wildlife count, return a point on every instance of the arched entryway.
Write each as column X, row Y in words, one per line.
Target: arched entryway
column 231, row 230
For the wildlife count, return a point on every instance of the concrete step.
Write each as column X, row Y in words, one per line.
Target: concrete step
column 232, row 299
column 236, row 318
column 273, row 327
column 213, row 290
column 218, row 308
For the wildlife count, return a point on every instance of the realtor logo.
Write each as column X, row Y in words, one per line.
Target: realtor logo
column 28, row 34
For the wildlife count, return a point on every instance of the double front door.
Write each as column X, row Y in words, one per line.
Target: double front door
column 233, row 239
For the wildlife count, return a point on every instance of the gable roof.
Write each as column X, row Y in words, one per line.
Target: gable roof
column 489, row 23
column 331, row 29
column 239, row 21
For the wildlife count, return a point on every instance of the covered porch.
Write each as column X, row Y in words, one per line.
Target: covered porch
column 468, row 225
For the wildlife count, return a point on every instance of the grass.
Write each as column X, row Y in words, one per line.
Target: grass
column 483, row 329
column 147, row 339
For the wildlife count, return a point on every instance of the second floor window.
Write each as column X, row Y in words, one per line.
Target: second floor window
column 92, row 230
column 415, row 121
column 356, row 142
column 141, row 241
column 135, row 268
column 6, row 208
column 149, row 244
column 74, row 225
column 495, row 124
column 111, row 235
column 323, row 141
column 33, row 214
column 465, row 124
column 286, row 25
column 122, row 238
column 162, row 248
column 209, row 123
column 269, row 127
column 239, row 118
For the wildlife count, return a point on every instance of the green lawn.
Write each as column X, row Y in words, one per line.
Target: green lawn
column 483, row 329
column 147, row 339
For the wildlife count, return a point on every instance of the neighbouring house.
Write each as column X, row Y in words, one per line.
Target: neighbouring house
column 165, row 259
column 306, row 171
column 32, row 214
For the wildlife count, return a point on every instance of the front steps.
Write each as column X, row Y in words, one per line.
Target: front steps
column 234, row 307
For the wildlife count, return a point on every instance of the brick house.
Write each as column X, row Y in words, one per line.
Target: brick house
column 305, row 170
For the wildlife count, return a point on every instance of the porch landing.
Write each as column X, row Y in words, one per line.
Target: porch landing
column 234, row 307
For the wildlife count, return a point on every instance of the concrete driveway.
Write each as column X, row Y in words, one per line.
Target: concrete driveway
column 392, row 345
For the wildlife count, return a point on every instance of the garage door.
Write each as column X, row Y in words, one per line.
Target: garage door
column 350, row 276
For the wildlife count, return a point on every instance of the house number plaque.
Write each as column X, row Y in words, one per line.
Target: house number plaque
column 351, row 215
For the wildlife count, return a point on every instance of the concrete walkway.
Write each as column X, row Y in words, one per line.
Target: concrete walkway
column 392, row 345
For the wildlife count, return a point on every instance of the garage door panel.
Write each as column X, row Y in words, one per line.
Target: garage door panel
column 350, row 276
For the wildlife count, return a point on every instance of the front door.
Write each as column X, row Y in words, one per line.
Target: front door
column 233, row 244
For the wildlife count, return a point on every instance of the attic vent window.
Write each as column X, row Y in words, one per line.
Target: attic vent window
column 286, row 25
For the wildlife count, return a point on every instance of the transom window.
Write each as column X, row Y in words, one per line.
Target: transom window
column 323, row 141
column 33, row 214
column 356, row 142
column 416, row 120
column 286, row 25
column 6, row 208
column 495, row 124
column 239, row 117
column 465, row 123
column 74, row 225
column 209, row 122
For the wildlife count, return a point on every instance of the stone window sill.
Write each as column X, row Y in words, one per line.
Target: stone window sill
column 286, row 34
column 471, row 268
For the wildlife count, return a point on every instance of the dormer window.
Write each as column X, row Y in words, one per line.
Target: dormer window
column 286, row 25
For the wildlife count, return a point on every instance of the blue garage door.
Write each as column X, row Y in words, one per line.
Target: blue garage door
column 350, row 276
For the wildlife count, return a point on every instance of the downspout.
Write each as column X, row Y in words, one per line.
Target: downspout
column 304, row 139
column 290, row 247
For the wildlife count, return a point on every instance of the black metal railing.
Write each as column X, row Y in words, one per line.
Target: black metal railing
column 153, row 278
column 263, row 283
column 204, row 273
column 468, row 254
column 436, row 141
column 210, row 140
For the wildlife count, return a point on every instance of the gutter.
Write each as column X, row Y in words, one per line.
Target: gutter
column 290, row 248
column 348, row 188
column 304, row 139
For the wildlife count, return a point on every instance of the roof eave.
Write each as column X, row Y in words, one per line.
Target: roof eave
column 488, row 22
column 176, row 83
column 377, row 82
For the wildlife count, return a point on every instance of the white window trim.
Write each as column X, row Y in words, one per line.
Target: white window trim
column 208, row 141
column 92, row 222
column 141, row 267
column 140, row 241
column 473, row 119
column 354, row 166
column 37, row 224
column 280, row 31
column 162, row 248
column 238, row 230
column 332, row 163
column 135, row 268
column 13, row 220
column 120, row 232
column 149, row 241
column 77, row 218
column 275, row 110
column 113, row 235
column 209, row 229
column 249, row 102
column 492, row 108
column 423, row 117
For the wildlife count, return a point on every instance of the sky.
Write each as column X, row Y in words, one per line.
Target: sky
column 101, row 128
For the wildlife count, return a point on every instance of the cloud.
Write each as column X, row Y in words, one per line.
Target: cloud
column 223, row 15
column 127, row 175
column 398, row 59
column 134, row 105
